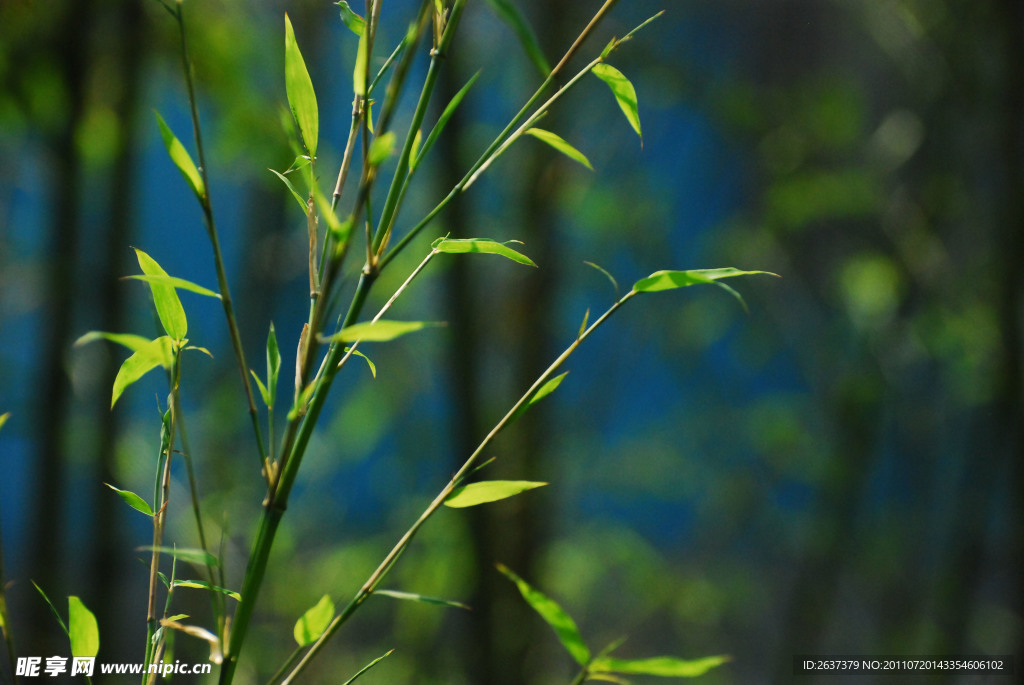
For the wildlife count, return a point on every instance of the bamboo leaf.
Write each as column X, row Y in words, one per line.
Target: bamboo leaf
column 623, row 91
column 155, row 353
column 353, row 21
column 176, row 283
column 442, row 121
column 557, row 142
column 368, row 666
column 299, row 88
column 199, row 557
column 273, row 365
column 412, row 597
column 670, row 280
column 203, row 585
column 554, row 615
column 263, row 389
column 179, row 155
column 543, row 391
column 130, row 340
column 359, row 71
column 381, row 148
column 514, row 18
column 60, row 621
column 132, row 500
column 607, row 678
column 82, row 629
column 379, row 331
column 165, row 298
column 488, row 491
column 314, row 622
column 615, row 284
column 288, row 183
column 480, row 246
column 373, row 367
column 665, row 666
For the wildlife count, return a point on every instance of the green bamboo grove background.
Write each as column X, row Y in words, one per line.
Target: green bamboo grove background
column 838, row 471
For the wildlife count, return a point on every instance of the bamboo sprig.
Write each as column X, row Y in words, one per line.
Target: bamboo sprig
column 389, row 561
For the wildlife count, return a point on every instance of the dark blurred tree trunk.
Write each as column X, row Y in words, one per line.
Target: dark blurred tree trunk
column 72, row 50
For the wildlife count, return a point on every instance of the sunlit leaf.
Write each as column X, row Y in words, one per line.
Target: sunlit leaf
column 368, row 666
column 130, row 340
column 193, row 556
column 353, row 21
column 669, row 280
column 299, row 88
column 414, row 151
column 379, row 331
column 623, row 91
column 381, row 148
column 665, row 666
column 607, row 678
column 314, row 622
column 481, row 246
column 442, row 121
column 155, row 353
column 132, row 500
column 203, row 585
column 557, row 142
column 488, row 491
column 288, row 183
column 373, row 367
column 182, row 160
column 412, row 597
column 82, row 629
column 555, row 617
column 177, row 283
column 165, row 298
column 514, row 18
column 216, row 654
column 359, row 71
column 542, row 392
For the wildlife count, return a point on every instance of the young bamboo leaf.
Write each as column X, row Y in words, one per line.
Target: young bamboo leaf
column 481, row 246
column 263, row 389
column 623, row 91
column 182, row 160
column 368, row 666
column 165, row 298
column 155, row 353
column 665, row 666
column 555, row 617
column 414, row 151
column 314, row 622
column 203, row 585
column 412, row 597
column 177, row 283
column 543, row 391
column 353, row 21
column 669, row 280
column 615, row 284
column 378, row 331
column 199, row 557
column 514, row 18
column 583, row 324
column 359, row 71
column 299, row 89
column 132, row 500
column 373, row 367
column 288, row 183
column 487, row 491
column 381, row 148
column 82, row 629
column 557, row 142
column 442, row 121
column 130, row 340
column 273, row 365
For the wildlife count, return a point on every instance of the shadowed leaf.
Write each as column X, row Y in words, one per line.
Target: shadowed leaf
column 130, row 340
column 442, row 121
column 511, row 15
column 288, row 183
column 193, row 556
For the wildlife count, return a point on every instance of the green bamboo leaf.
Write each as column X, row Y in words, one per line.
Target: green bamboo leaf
column 670, row 280
column 412, row 597
column 299, row 89
column 288, row 184
column 199, row 557
column 442, row 121
column 379, row 331
column 665, row 666
column 487, row 491
column 623, row 91
column 542, row 392
column 368, row 666
column 60, row 621
column 480, row 246
column 353, row 21
column 373, row 367
column 514, row 18
column 263, row 389
column 130, row 340
column 555, row 617
column 273, row 364
column 314, row 622
column 557, row 142
column 155, row 353
column 381, row 148
column 133, row 500
column 359, row 71
column 177, row 283
column 82, row 629
column 181, row 158
column 165, row 297
column 414, row 151
column 203, row 585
